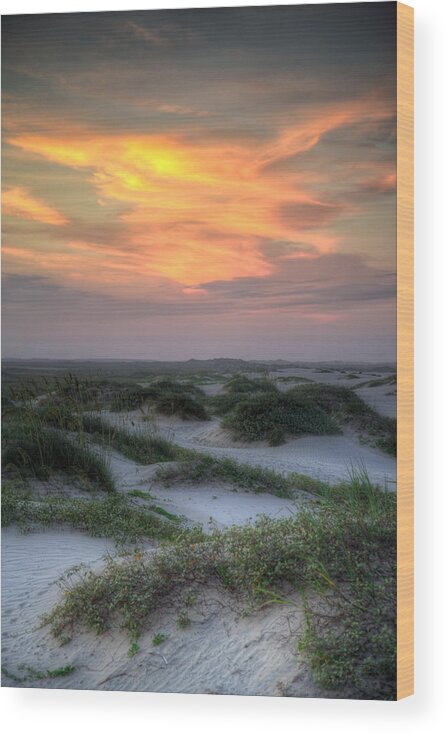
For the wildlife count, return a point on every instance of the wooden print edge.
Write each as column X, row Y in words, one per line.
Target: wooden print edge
column 405, row 353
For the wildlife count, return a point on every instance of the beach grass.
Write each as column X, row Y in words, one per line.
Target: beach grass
column 113, row 516
column 340, row 556
column 30, row 448
column 204, row 469
column 142, row 445
column 166, row 396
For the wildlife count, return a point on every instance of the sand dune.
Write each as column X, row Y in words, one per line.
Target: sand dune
column 329, row 458
column 222, row 651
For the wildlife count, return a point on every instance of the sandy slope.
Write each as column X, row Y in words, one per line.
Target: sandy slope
column 330, row 458
column 382, row 398
column 211, row 504
column 222, row 651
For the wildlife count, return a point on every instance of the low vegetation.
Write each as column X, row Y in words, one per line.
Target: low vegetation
column 205, row 469
column 165, row 396
column 238, row 389
column 111, row 517
column 31, row 673
column 254, row 409
column 274, row 415
column 141, row 445
column 30, row 448
column 345, row 407
column 341, row 557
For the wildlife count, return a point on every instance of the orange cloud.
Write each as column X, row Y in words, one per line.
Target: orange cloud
column 20, row 203
column 198, row 211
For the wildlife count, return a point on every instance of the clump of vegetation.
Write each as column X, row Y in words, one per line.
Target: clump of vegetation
column 274, row 415
column 32, row 449
column 183, row 621
column 141, row 445
column 388, row 443
column 167, row 397
column 32, row 673
column 345, row 406
column 158, row 639
column 207, row 468
column 344, row 552
column 133, row 649
column 239, row 388
column 65, row 415
column 112, row 517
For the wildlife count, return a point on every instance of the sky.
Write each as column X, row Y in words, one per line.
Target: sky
column 200, row 183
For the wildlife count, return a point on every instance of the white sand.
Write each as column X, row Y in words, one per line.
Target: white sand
column 329, row 458
column 220, row 507
column 210, row 504
column 382, row 398
column 222, row 651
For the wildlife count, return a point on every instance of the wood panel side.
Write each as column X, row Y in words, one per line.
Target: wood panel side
column 405, row 353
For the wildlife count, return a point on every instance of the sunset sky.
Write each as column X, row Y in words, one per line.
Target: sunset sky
column 200, row 183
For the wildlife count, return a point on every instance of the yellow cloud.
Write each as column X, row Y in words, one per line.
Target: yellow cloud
column 20, row 203
column 197, row 211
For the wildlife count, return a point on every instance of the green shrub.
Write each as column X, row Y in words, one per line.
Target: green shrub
column 239, row 388
column 344, row 405
column 272, row 416
column 166, row 396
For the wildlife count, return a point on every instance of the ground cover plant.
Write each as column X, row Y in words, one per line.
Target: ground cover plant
column 112, row 516
column 274, row 415
column 51, row 433
column 31, row 673
column 238, row 388
column 205, row 468
column 340, row 555
column 166, row 396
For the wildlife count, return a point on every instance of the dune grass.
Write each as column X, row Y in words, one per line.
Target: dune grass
column 239, row 388
column 167, row 397
column 274, row 415
column 112, row 516
column 30, row 448
column 142, row 445
column 205, row 468
column 341, row 555
column 254, row 409
column 346, row 407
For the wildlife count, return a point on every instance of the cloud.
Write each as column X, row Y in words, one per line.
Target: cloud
column 328, row 282
column 380, row 184
column 198, row 210
column 300, row 138
column 309, row 214
column 18, row 202
column 311, row 288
